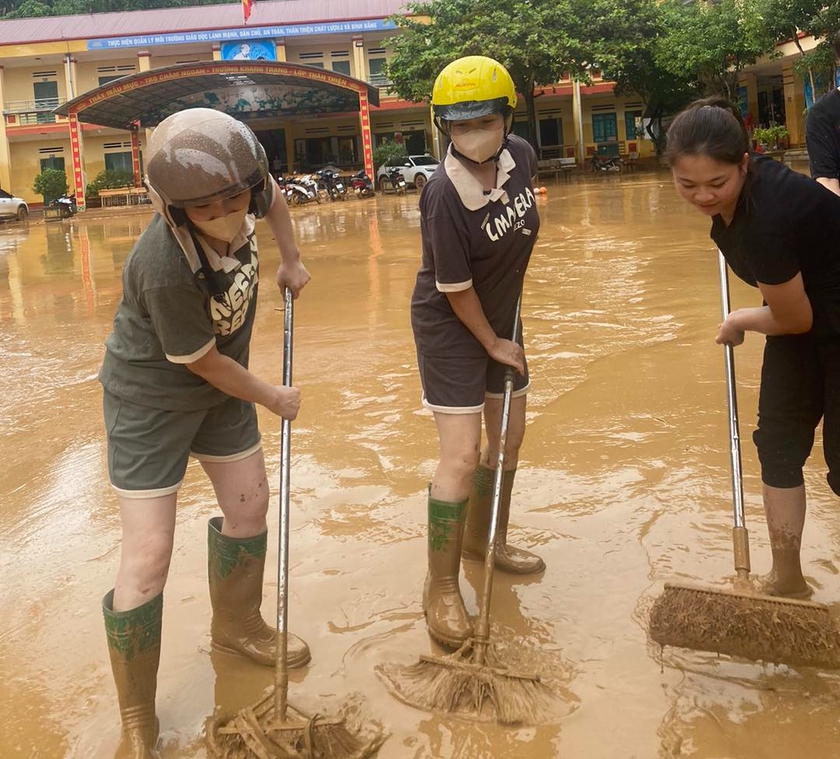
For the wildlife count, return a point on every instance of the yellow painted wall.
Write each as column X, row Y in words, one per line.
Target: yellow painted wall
column 87, row 72
column 26, row 165
column 19, row 81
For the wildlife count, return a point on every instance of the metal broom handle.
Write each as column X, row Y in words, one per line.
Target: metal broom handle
column 281, row 672
column 482, row 635
column 739, row 533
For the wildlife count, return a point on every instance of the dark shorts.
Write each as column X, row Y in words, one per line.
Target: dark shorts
column 459, row 385
column 149, row 448
column 800, row 384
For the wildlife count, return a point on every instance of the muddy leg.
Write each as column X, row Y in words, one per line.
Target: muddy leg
column 785, row 511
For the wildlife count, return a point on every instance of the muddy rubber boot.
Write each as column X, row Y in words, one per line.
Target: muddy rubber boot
column 784, row 509
column 134, row 648
column 508, row 559
column 446, row 616
column 235, row 569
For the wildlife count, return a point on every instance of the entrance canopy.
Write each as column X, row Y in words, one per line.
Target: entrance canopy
column 245, row 90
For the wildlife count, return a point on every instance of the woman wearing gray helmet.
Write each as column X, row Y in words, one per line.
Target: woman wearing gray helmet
column 176, row 384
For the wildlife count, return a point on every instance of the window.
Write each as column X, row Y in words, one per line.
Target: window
column 109, row 78
column 378, row 77
column 53, row 162
column 633, row 124
column 341, row 67
column 119, row 162
column 46, row 98
column 604, row 127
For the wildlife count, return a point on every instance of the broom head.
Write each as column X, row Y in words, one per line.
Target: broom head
column 254, row 733
column 456, row 685
column 746, row 625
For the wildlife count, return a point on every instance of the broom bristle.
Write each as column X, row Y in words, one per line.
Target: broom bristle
column 451, row 684
column 247, row 736
column 759, row 628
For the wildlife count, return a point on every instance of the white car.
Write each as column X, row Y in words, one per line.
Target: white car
column 12, row 207
column 415, row 168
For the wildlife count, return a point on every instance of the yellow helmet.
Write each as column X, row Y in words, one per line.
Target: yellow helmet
column 472, row 87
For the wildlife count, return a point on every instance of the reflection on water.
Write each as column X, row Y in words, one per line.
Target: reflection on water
column 623, row 484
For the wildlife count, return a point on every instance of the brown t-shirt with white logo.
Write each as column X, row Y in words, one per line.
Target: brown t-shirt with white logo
column 473, row 239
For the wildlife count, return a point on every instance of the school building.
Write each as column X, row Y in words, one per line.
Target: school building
column 82, row 92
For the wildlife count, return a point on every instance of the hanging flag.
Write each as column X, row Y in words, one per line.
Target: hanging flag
column 246, row 9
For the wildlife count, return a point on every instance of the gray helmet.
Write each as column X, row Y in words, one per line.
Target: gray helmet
column 200, row 155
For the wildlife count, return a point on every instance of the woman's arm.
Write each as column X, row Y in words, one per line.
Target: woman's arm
column 232, row 378
column 467, row 308
column 788, row 312
column 291, row 273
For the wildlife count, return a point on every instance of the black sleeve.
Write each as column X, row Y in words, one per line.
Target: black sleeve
column 821, row 137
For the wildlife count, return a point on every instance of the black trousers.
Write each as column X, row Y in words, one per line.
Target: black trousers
column 800, row 384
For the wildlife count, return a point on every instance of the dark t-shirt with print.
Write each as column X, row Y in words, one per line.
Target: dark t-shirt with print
column 822, row 134
column 786, row 223
column 488, row 249
column 168, row 318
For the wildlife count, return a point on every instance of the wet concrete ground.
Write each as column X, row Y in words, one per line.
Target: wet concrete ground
column 623, row 484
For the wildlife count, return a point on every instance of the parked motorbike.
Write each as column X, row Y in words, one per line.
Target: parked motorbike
column 397, row 180
column 300, row 190
column 332, row 183
column 67, row 203
column 600, row 163
column 362, row 185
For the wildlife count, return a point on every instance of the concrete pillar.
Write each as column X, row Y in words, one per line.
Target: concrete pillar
column 359, row 60
column 794, row 89
column 367, row 136
column 577, row 115
column 436, row 145
column 135, row 154
column 217, row 52
column 749, row 81
column 77, row 160
column 144, row 60
column 5, row 157
column 280, row 49
column 70, row 76
column 291, row 158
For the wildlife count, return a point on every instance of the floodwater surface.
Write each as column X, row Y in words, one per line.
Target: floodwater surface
column 623, row 484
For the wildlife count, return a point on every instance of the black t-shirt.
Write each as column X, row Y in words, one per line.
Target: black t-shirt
column 486, row 246
column 786, row 223
column 822, row 134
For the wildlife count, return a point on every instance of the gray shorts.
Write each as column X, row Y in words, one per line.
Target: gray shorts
column 148, row 448
column 459, row 385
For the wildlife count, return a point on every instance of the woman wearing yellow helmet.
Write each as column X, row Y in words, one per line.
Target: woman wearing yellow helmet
column 479, row 224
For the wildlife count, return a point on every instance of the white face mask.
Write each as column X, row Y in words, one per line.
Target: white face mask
column 479, row 145
column 224, row 227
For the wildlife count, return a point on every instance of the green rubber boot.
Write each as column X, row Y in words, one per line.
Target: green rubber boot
column 477, row 532
column 235, row 567
column 446, row 616
column 134, row 648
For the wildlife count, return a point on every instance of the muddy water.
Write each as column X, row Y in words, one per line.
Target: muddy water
column 623, row 484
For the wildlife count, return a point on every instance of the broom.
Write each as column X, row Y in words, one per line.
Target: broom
column 473, row 681
column 740, row 622
column 273, row 728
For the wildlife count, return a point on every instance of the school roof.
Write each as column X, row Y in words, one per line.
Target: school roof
column 194, row 18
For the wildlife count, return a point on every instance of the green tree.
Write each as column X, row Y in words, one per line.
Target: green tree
column 388, row 152
column 51, row 183
column 538, row 41
column 638, row 71
column 786, row 18
column 110, row 179
column 711, row 40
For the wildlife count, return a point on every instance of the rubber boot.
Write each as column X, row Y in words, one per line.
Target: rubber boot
column 134, row 647
column 785, row 512
column 508, row 559
column 235, row 568
column 446, row 615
